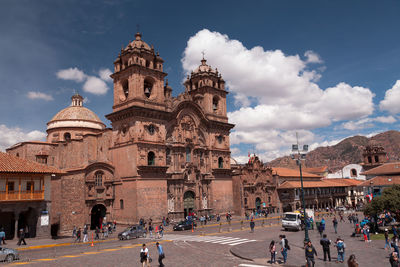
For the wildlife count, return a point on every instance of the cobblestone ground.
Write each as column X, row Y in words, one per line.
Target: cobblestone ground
column 208, row 246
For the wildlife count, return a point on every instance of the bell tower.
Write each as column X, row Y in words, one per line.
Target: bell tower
column 138, row 77
column 207, row 88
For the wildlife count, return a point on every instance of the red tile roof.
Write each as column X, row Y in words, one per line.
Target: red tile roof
column 314, row 184
column 316, row 169
column 381, row 181
column 13, row 164
column 285, row 172
column 345, row 181
column 387, row 168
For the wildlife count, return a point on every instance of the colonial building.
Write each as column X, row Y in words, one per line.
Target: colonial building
column 25, row 203
column 163, row 156
column 254, row 187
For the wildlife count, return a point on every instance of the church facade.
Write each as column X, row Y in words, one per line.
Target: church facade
column 163, row 155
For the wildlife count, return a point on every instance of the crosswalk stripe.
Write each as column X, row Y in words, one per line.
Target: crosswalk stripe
column 223, row 240
column 250, row 265
column 241, row 242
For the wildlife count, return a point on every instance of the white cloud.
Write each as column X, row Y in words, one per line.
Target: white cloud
column 105, row 75
column 277, row 93
column 39, row 95
column 95, row 85
column 312, row 57
column 11, row 136
column 392, row 99
column 73, row 74
column 367, row 122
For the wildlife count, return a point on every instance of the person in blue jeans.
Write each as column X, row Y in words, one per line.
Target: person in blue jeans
column 395, row 243
column 341, row 247
column 283, row 247
column 387, row 240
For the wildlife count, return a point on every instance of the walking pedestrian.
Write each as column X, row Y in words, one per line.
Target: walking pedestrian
column 144, row 256
column 161, row 254
column 341, row 247
column 284, row 247
column 78, row 236
column 85, row 234
column 161, row 230
column 310, row 251
column 272, row 250
column 21, row 237
column 395, row 244
column 320, row 229
column 351, row 262
column 252, row 224
column 97, row 232
column 335, row 224
column 326, row 243
column 74, row 232
column 2, row 236
column 151, row 230
column 387, row 241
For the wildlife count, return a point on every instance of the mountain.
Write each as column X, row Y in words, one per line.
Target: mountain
column 346, row 152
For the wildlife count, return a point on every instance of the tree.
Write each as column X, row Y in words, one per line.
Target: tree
column 389, row 200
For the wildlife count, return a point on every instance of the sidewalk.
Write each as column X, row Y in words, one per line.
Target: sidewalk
column 367, row 254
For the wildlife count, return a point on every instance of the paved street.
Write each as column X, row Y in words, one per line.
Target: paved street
column 206, row 246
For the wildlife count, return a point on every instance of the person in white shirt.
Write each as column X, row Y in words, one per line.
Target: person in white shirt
column 145, row 256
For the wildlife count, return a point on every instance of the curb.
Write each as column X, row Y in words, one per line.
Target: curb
column 238, row 256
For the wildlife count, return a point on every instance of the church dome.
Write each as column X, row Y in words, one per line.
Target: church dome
column 138, row 43
column 204, row 68
column 76, row 116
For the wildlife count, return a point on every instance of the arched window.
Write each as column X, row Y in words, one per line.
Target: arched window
column 67, row 137
column 376, row 159
column 148, row 87
column 220, row 162
column 369, row 159
column 353, row 173
column 125, row 87
column 215, row 103
column 188, row 154
column 219, row 138
column 121, row 204
column 245, row 200
column 151, row 159
column 98, row 179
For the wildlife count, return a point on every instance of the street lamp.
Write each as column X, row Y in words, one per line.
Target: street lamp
column 300, row 155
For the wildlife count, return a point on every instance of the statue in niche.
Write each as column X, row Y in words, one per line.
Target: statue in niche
column 204, row 201
column 171, row 203
column 91, row 190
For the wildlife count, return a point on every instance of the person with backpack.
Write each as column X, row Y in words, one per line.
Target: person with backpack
column 252, row 224
column 335, row 224
column 144, row 256
column 310, row 251
column 272, row 250
column 326, row 243
column 284, row 247
column 341, row 247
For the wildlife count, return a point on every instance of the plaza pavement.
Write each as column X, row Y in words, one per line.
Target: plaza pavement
column 367, row 254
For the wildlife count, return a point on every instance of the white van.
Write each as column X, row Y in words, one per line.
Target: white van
column 292, row 221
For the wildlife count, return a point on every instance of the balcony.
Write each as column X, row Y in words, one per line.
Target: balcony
column 21, row 195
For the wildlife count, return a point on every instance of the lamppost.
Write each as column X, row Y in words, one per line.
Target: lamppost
column 300, row 155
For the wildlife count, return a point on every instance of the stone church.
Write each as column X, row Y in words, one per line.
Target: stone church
column 163, row 155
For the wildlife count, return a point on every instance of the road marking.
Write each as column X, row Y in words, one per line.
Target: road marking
column 44, row 260
column 251, row 265
column 110, row 249
column 223, row 240
column 70, row 256
column 91, row 252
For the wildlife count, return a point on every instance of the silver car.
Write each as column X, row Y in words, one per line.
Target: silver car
column 8, row 254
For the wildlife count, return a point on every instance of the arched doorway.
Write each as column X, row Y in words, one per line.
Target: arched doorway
column 188, row 202
column 97, row 215
column 258, row 203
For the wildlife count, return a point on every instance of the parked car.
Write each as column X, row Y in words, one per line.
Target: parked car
column 341, row 208
column 184, row 225
column 8, row 254
column 133, row 231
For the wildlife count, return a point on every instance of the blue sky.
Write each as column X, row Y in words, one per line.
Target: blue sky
column 326, row 69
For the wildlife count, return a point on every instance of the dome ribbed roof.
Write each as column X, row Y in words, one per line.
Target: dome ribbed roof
column 76, row 116
column 76, row 113
column 138, row 43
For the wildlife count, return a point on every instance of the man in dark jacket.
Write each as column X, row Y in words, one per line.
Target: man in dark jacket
column 310, row 251
column 325, row 243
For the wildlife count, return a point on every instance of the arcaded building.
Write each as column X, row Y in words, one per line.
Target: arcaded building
column 162, row 156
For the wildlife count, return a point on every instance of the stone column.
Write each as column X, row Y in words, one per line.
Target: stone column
column 16, row 216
